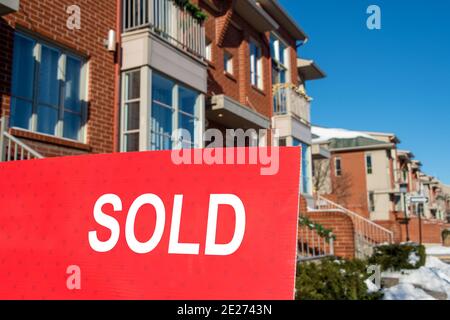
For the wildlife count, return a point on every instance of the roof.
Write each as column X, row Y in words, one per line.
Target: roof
column 283, row 18
column 255, row 15
column 309, row 70
column 342, row 139
column 391, row 136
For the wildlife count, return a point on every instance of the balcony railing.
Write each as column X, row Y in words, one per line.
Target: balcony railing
column 166, row 19
column 288, row 100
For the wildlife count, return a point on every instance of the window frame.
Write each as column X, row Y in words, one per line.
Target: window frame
column 125, row 101
column 176, row 112
column 256, row 65
column 228, row 62
column 276, row 40
column 372, row 205
column 38, row 44
column 338, row 172
column 208, row 50
column 369, row 164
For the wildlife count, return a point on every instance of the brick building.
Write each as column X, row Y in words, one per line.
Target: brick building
column 369, row 176
column 57, row 83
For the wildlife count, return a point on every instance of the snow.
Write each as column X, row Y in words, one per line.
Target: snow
column 371, row 287
column 326, row 134
column 438, row 251
column 413, row 259
column 434, row 276
column 406, row 291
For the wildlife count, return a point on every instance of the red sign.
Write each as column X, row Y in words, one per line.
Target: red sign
column 138, row 226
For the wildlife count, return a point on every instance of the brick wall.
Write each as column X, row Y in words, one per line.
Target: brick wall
column 230, row 33
column 342, row 227
column 355, row 197
column 47, row 19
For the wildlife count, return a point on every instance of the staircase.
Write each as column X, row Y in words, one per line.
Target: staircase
column 11, row 148
column 368, row 234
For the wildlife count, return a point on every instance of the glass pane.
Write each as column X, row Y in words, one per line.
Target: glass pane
column 72, row 98
column 160, row 142
column 187, row 100
column 23, row 67
column 282, row 76
column 161, row 119
column 72, row 125
column 162, row 89
column 133, row 85
column 132, row 142
column 272, row 47
column 21, row 112
column 188, row 123
column 47, row 119
column 48, row 77
column 132, row 116
column 282, row 53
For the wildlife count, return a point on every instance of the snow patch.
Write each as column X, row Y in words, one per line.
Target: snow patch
column 406, row 291
column 326, row 134
column 438, row 251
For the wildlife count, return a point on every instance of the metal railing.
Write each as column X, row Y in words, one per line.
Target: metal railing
column 288, row 100
column 11, row 148
column 170, row 22
column 368, row 234
column 312, row 246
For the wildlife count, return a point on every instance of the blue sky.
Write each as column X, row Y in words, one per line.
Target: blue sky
column 396, row 79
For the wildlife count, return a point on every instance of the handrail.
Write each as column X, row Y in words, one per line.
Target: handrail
column 23, row 145
column 11, row 148
column 368, row 234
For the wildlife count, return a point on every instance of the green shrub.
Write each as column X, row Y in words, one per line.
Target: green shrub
column 399, row 256
column 445, row 234
column 332, row 279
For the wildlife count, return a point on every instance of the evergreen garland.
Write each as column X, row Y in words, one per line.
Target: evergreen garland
column 196, row 12
column 320, row 229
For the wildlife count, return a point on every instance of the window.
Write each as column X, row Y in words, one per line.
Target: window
column 131, row 113
column 279, row 53
column 174, row 107
column 371, row 201
column 369, row 168
column 47, row 89
column 208, row 50
column 306, row 178
column 338, row 167
column 256, row 65
column 228, row 62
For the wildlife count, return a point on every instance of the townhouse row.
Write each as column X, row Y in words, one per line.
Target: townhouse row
column 368, row 174
column 133, row 71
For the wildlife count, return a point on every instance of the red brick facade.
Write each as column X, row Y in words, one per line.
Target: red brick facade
column 47, row 19
column 340, row 224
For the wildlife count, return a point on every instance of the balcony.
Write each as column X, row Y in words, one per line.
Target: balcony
column 167, row 20
column 289, row 100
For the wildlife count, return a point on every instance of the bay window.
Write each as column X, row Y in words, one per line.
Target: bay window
column 174, row 106
column 47, row 89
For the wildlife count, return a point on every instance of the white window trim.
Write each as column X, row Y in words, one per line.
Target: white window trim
column 229, row 65
column 84, row 81
column 287, row 55
column 259, row 72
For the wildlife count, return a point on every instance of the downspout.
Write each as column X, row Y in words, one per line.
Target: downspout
column 117, row 64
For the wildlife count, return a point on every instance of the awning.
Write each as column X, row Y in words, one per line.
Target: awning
column 309, row 70
column 283, row 18
column 8, row 6
column 257, row 17
column 232, row 114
